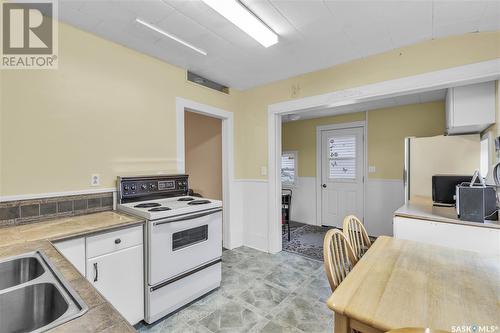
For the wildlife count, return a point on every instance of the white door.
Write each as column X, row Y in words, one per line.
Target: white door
column 119, row 278
column 342, row 175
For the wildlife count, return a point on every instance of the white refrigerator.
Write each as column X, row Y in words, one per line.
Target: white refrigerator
column 428, row 156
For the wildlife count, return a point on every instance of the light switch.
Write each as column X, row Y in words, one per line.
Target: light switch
column 263, row 171
column 372, row 169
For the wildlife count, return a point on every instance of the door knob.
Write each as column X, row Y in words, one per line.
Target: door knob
column 323, row 185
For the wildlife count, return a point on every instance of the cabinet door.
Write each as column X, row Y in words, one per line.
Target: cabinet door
column 457, row 236
column 74, row 251
column 119, row 277
column 474, row 104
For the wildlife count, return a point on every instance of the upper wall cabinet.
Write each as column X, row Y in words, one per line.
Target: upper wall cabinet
column 470, row 109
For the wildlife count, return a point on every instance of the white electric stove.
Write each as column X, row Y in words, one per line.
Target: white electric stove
column 183, row 240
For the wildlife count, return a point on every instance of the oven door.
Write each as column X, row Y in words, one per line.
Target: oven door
column 182, row 243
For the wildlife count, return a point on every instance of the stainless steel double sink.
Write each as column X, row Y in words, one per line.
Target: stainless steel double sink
column 33, row 296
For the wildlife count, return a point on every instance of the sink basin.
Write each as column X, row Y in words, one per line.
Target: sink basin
column 19, row 271
column 34, row 297
column 31, row 307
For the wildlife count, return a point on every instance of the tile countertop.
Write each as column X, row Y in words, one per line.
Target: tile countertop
column 101, row 316
column 421, row 208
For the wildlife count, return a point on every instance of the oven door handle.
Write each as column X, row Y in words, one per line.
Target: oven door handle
column 188, row 217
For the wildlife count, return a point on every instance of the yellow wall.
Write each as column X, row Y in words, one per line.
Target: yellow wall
column 387, row 129
column 107, row 110
column 111, row 110
column 203, row 142
column 251, row 119
column 301, row 136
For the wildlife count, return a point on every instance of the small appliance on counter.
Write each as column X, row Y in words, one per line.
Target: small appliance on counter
column 444, row 188
column 476, row 202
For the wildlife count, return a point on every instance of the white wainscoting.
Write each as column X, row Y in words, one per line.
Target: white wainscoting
column 236, row 228
column 250, row 204
column 383, row 198
column 304, row 200
column 253, row 205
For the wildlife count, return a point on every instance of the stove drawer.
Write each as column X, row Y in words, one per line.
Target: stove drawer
column 162, row 300
column 114, row 241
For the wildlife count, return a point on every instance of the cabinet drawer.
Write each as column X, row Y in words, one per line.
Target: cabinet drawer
column 114, row 241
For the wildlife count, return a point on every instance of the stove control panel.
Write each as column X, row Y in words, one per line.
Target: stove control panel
column 152, row 187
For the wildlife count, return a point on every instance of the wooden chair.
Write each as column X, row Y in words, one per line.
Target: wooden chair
column 357, row 236
column 339, row 258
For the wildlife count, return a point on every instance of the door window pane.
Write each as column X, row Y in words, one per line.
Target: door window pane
column 342, row 156
column 288, row 167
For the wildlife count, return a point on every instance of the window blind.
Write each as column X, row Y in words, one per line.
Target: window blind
column 342, row 153
column 288, row 168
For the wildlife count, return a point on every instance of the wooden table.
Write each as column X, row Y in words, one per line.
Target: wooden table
column 400, row 283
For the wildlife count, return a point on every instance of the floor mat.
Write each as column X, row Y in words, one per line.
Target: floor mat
column 306, row 240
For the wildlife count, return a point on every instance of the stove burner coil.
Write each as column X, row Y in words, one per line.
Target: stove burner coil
column 147, row 205
column 159, row 209
column 198, row 202
column 185, row 199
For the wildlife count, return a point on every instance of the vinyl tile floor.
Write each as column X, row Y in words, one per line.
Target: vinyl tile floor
column 259, row 292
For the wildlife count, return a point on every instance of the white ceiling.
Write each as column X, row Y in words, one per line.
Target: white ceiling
column 424, row 97
column 314, row 34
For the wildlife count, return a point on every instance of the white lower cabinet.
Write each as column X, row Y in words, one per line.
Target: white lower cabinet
column 465, row 237
column 119, row 277
column 74, row 251
column 113, row 262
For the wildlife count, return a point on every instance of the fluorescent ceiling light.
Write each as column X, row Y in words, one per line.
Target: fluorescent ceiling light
column 164, row 33
column 240, row 16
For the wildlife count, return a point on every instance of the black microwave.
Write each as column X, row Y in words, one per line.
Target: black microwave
column 444, row 187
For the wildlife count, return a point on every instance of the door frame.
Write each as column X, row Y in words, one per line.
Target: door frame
column 440, row 79
column 321, row 128
column 229, row 236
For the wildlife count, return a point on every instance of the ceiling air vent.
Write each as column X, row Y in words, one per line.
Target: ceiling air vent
column 206, row 82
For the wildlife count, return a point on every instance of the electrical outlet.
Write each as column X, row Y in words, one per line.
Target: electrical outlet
column 372, row 169
column 263, row 171
column 95, row 179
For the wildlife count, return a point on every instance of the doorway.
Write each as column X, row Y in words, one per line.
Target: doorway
column 322, row 166
column 232, row 236
column 341, row 99
column 203, row 154
column 341, row 173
